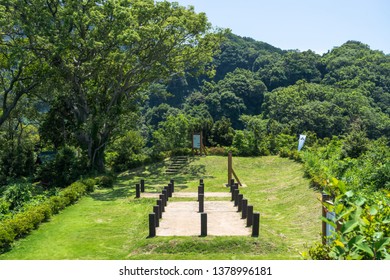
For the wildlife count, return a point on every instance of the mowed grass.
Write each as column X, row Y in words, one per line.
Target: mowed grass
column 113, row 225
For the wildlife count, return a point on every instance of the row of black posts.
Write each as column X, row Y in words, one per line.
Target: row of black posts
column 252, row 218
column 154, row 218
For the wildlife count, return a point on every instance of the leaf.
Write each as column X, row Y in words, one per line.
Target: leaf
column 365, row 248
column 349, row 226
column 373, row 210
column 339, row 243
column 360, row 201
column 349, row 194
column 358, row 239
column 381, row 244
column 333, row 224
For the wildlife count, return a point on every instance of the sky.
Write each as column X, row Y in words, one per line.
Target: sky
column 318, row 25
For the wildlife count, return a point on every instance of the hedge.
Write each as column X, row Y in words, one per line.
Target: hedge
column 23, row 223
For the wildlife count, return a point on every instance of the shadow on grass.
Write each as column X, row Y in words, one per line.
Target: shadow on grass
column 155, row 179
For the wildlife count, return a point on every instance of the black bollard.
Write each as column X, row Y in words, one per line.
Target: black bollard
column 169, row 193
column 165, row 193
column 249, row 216
column 161, row 207
column 152, row 225
column 170, row 187
column 164, row 202
column 256, row 224
column 239, row 202
column 173, row 185
column 156, row 211
column 244, row 208
column 235, row 196
column 201, row 182
column 231, row 182
column 201, row 203
column 142, row 182
column 203, row 224
column 137, row 191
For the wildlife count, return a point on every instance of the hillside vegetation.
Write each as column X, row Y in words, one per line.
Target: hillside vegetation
column 91, row 89
column 112, row 224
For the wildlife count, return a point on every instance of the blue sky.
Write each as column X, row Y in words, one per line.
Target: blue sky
column 302, row 24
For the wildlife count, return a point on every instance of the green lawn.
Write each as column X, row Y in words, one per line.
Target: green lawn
column 111, row 224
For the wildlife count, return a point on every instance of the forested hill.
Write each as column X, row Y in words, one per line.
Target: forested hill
column 282, row 91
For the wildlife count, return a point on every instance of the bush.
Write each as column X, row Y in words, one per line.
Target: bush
column 90, row 183
column 23, row 223
column 362, row 222
column 106, row 181
column 16, row 159
column 67, row 167
column 4, row 208
column 18, row 194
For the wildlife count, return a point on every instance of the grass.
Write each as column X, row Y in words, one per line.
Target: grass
column 112, row 225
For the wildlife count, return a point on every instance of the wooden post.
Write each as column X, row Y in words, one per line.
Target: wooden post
column 152, row 225
column 325, row 198
column 230, row 168
column 203, row 224
column 137, row 191
column 173, row 185
column 239, row 202
column 164, row 202
column 236, row 193
column 244, row 208
column 156, row 211
column 249, row 216
column 233, row 192
column 142, row 185
column 201, row 203
column 161, row 207
column 165, row 193
column 170, row 188
column 256, row 224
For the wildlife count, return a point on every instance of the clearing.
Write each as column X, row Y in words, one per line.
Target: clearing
column 112, row 224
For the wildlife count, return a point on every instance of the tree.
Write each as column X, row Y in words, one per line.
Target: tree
column 106, row 52
column 20, row 70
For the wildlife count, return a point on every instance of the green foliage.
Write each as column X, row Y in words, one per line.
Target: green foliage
column 244, row 143
column 66, row 168
column 106, row 181
column 126, row 151
column 173, row 133
column 16, row 158
column 222, row 133
column 356, row 142
column 362, row 222
column 24, row 222
column 16, row 195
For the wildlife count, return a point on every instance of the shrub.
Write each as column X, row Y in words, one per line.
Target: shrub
column 106, row 181
column 18, row 194
column 90, row 183
column 218, row 151
column 23, row 223
column 362, row 222
column 66, row 168
column 4, row 207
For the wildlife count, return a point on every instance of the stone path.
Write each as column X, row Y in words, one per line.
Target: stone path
column 183, row 218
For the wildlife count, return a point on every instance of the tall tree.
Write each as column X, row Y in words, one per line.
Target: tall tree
column 20, row 70
column 106, row 52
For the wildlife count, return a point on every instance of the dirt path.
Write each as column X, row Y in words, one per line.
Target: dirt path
column 183, row 219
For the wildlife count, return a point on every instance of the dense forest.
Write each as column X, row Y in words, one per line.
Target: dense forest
column 119, row 84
